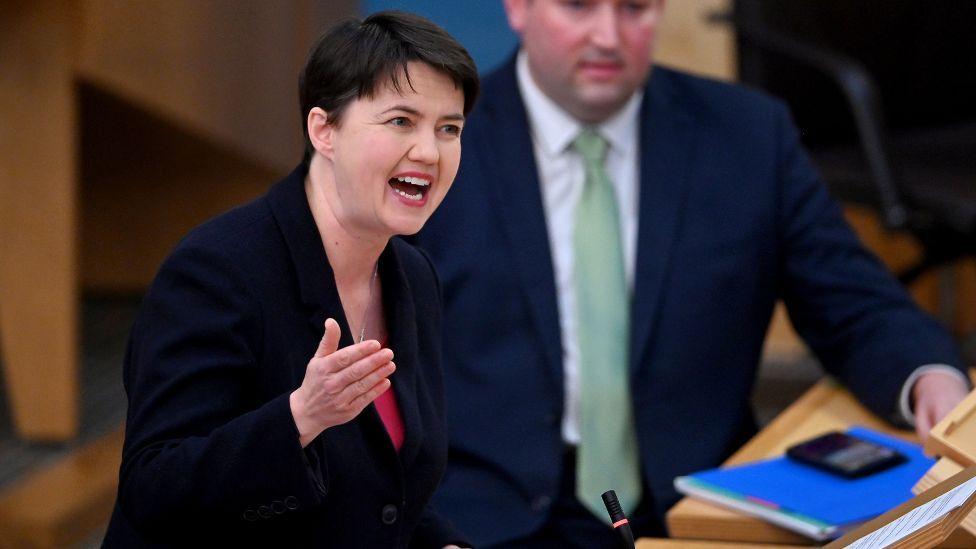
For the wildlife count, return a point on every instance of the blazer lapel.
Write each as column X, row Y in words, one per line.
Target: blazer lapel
column 402, row 322
column 667, row 142
column 316, row 281
column 517, row 200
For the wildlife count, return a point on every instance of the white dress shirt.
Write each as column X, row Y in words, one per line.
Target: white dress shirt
column 561, row 177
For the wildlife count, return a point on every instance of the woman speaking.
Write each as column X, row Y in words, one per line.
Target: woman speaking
column 283, row 374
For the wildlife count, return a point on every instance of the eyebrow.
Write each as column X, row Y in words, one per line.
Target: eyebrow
column 415, row 112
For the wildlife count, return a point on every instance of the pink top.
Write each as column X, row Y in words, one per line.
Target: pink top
column 386, row 405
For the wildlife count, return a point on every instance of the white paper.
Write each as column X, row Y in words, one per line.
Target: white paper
column 917, row 518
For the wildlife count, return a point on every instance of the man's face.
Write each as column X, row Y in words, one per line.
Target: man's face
column 587, row 55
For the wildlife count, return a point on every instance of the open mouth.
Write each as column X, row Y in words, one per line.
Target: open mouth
column 411, row 188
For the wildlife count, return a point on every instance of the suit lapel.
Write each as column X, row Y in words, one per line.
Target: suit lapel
column 517, row 201
column 316, row 281
column 666, row 143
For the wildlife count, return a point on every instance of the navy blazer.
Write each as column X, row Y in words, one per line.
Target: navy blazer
column 732, row 217
column 211, row 452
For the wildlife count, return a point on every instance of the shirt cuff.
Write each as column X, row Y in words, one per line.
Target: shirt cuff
column 904, row 400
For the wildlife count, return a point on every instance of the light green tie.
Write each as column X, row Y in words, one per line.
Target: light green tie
column 607, row 455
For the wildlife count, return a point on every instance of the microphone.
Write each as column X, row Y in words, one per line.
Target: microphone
column 619, row 519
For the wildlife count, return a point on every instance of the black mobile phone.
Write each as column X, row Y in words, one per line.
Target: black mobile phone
column 845, row 455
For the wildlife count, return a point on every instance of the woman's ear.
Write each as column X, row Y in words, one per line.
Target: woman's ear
column 320, row 132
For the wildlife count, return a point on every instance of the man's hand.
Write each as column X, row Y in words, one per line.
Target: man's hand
column 935, row 394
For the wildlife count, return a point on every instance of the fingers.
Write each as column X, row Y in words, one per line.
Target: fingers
column 341, row 382
column 347, row 356
column 364, row 384
column 330, row 339
column 923, row 424
column 370, row 395
column 364, row 366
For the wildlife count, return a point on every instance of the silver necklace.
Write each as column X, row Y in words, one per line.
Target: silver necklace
column 369, row 301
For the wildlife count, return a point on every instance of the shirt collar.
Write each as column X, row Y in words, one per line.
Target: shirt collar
column 555, row 129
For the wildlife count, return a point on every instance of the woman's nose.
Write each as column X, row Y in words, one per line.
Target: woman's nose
column 424, row 149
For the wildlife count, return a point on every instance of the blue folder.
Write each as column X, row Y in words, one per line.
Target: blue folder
column 792, row 490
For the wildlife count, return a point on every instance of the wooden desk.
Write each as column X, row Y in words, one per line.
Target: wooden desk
column 656, row 543
column 825, row 407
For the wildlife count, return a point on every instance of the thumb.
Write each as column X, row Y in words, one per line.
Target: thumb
column 330, row 340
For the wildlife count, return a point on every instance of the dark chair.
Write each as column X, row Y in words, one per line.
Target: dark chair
column 884, row 92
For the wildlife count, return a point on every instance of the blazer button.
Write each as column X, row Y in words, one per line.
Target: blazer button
column 264, row 511
column 291, row 502
column 389, row 514
column 250, row 515
column 278, row 507
column 541, row 503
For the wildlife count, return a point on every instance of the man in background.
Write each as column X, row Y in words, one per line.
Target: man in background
column 610, row 258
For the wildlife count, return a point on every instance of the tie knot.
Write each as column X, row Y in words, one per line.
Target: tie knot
column 591, row 145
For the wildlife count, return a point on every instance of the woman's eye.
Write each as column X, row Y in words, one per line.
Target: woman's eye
column 451, row 129
column 636, row 7
column 400, row 121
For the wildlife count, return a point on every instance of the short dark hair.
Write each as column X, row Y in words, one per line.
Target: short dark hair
column 351, row 59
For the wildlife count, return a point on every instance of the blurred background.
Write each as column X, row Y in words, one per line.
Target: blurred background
column 123, row 124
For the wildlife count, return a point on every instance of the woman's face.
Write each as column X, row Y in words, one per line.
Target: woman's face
column 394, row 156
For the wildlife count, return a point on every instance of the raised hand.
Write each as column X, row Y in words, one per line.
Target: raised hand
column 339, row 383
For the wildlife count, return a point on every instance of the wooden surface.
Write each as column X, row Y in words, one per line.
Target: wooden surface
column 65, row 502
column 654, row 543
column 134, row 212
column 932, row 534
column 824, row 407
column 38, row 290
column 688, row 41
column 943, row 469
column 955, row 436
column 225, row 70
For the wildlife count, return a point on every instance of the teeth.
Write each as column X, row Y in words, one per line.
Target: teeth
column 417, row 196
column 414, row 181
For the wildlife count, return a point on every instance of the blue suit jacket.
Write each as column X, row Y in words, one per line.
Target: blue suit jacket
column 211, row 454
column 732, row 217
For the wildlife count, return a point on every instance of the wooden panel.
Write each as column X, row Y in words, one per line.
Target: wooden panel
column 942, row 470
column 145, row 182
column 782, row 343
column 896, row 251
column 653, row 543
column 688, row 41
column 955, row 435
column 38, row 301
column 227, row 69
column 65, row 502
column 964, row 305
